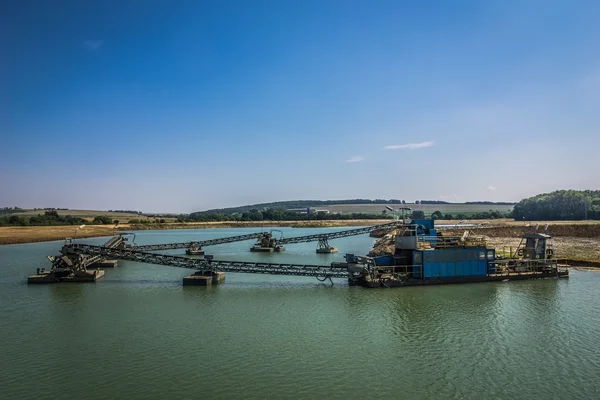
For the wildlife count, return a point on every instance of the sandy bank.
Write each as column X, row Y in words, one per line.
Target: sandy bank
column 30, row 234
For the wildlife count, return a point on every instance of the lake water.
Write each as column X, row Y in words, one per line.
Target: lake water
column 139, row 334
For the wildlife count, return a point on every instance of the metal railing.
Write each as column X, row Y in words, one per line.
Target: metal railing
column 446, row 242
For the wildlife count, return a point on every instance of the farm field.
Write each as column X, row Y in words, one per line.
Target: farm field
column 30, row 234
column 81, row 213
column 89, row 215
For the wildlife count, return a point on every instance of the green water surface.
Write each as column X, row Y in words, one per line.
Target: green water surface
column 139, row 334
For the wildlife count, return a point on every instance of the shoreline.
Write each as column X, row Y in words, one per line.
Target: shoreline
column 578, row 241
column 36, row 234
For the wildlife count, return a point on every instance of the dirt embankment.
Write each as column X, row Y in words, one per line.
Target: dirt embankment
column 29, row 234
column 570, row 230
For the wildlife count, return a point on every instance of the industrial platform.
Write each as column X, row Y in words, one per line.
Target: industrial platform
column 423, row 255
column 204, row 278
column 104, row 264
column 78, row 276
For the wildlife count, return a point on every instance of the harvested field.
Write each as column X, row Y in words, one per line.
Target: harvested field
column 89, row 215
column 82, row 213
column 29, row 234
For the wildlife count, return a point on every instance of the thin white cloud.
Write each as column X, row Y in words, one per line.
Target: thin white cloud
column 93, row 44
column 355, row 159
column 491, row 188
column 409, row 146
column 449, row 198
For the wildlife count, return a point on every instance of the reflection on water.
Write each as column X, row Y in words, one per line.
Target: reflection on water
column 139, row 333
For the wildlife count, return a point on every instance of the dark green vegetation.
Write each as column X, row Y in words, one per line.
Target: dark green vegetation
column 491, row 214
column 277, row 214
column 10, row 210
column 51, row 218
column 559, row 205
column 148, row 221
column 284, row 205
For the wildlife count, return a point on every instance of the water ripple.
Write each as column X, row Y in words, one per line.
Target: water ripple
column 140, row 334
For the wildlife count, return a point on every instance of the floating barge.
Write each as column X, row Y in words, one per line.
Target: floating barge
column 425, row 256
column 204, row 278
column 266, row 243
column 195, row 249
column 49, row 276
column 71, row 266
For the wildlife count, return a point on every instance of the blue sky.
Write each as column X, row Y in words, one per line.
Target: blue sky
column 186, row 105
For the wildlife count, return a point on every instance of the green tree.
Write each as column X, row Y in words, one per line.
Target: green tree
column 102, row 219
column 437, row 215
column 558, row 205
column 417, row 214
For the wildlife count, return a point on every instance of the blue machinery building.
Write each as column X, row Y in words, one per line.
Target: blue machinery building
column 423, row 255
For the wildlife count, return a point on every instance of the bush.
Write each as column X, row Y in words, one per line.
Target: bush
column 102, row 219
column 437, row 215
column 417, row 214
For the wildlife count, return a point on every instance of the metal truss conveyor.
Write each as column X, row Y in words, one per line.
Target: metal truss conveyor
column 320, row 271
column 340, row 234
column 257, row 235
column 186, row 245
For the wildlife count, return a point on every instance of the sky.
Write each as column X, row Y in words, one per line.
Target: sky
column 180, row 106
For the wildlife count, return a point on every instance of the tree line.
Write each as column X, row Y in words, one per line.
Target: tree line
column 280, row 214
column 10, row 210
column 277, row 214
column 559, row 205
column 52, row 218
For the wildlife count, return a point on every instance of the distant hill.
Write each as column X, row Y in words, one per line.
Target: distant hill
column 327, row 204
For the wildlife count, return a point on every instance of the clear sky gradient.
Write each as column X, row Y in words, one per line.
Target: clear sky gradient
column 177, row 106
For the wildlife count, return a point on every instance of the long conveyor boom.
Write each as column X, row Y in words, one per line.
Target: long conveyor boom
column 211, row 242
column 321, row 271
column 340, row 234
column 256, row 235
